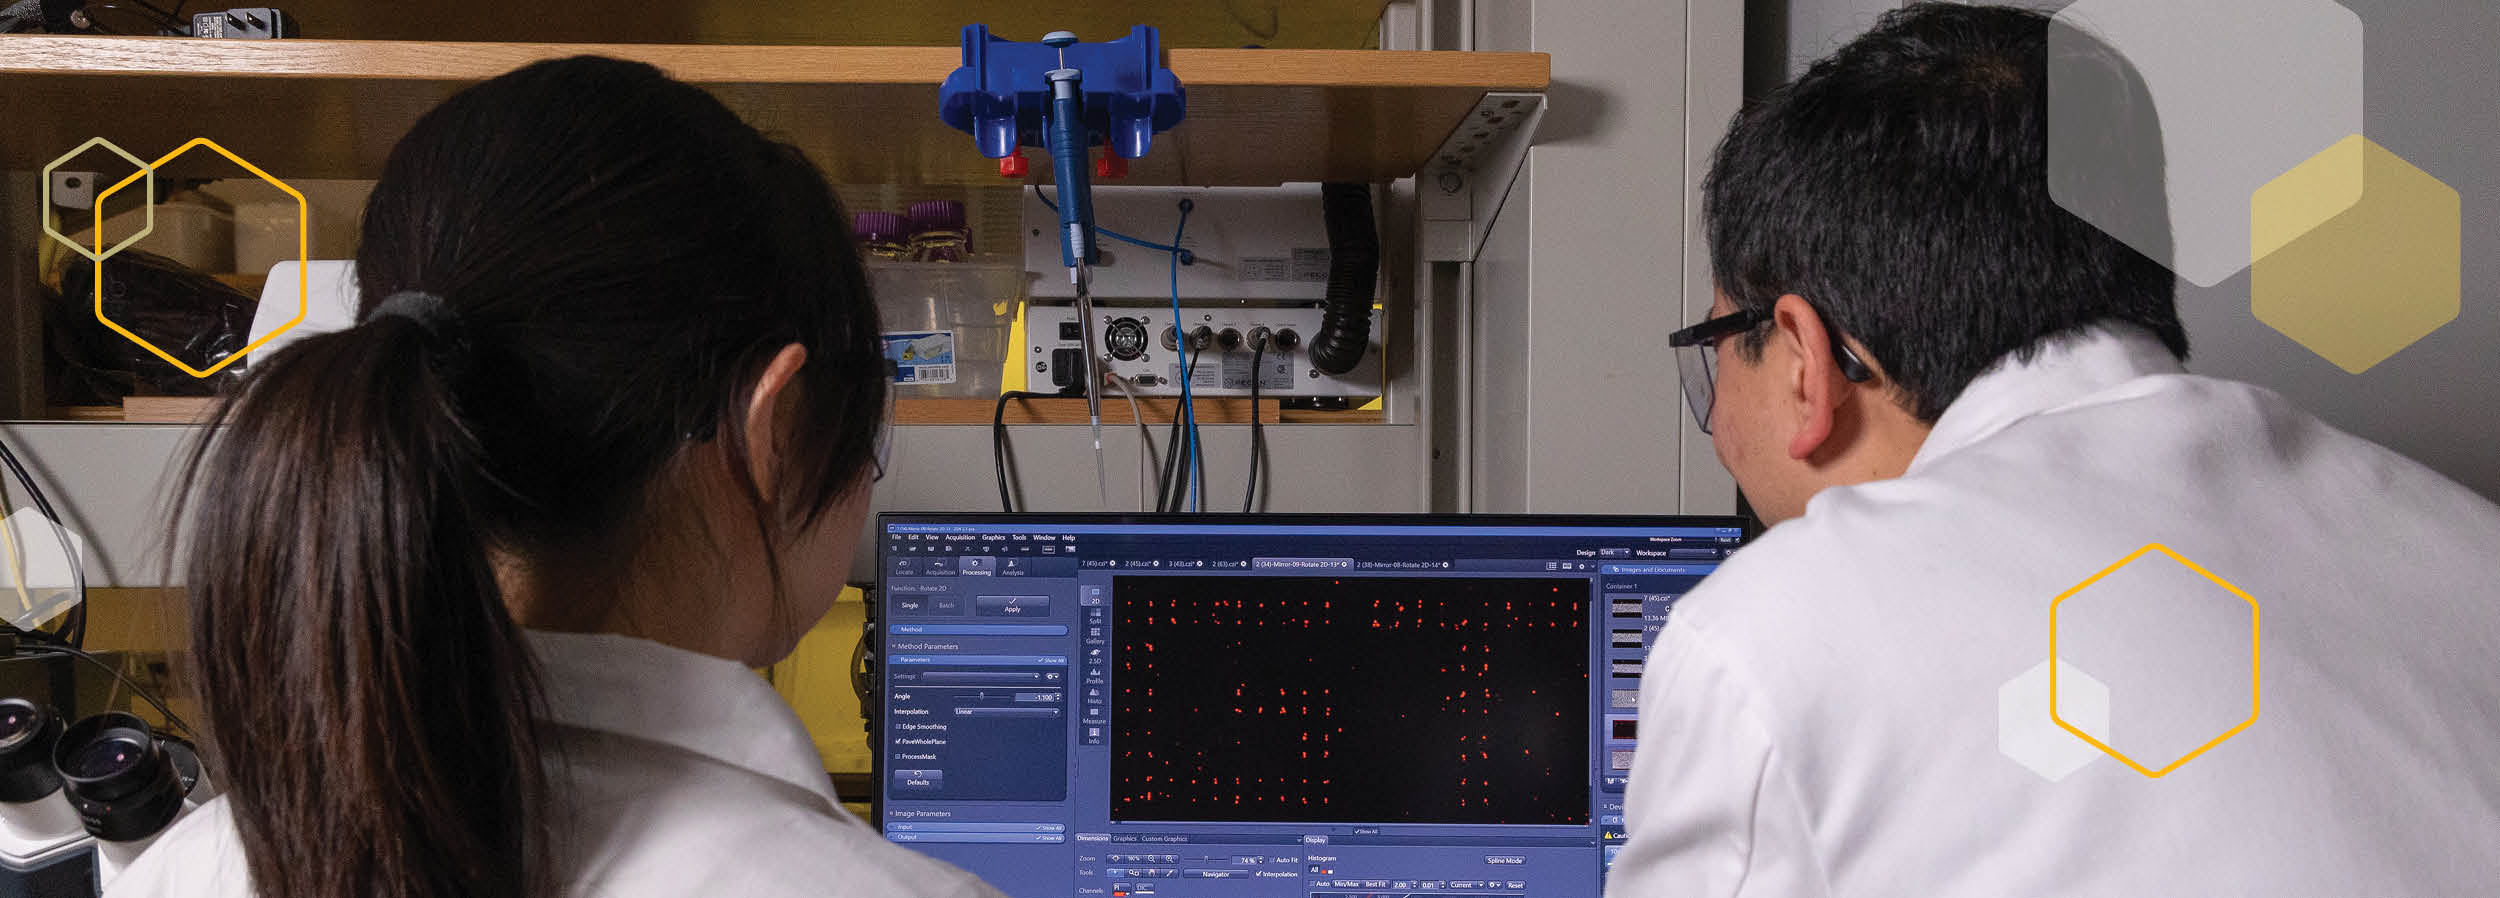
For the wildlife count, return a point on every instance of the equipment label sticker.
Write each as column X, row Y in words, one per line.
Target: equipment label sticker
column 922, row 357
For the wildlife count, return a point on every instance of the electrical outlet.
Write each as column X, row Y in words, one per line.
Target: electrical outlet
column 244, row 23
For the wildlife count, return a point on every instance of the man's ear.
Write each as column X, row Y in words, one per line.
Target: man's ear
column 767, row 409
column 1818, row 391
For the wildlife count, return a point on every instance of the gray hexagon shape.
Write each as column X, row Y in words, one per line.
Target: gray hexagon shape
column 2029, row 734
column 2166, row 116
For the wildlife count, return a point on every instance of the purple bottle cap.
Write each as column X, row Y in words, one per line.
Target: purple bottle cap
column 879, row 227
column 937, row 215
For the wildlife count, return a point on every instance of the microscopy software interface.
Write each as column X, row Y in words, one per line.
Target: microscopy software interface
column 1271, row 707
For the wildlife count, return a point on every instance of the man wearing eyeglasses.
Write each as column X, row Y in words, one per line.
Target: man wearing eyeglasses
column 1953, row 401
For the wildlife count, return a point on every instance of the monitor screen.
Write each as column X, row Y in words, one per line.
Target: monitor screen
column 1271, row 706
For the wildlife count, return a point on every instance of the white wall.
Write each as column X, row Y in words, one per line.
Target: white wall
column 1589, row 266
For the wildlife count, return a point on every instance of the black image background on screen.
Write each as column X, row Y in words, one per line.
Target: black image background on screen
column 1351, row 700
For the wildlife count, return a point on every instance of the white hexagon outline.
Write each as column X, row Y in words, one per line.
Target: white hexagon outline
column 144, row 168
column 2071, row 16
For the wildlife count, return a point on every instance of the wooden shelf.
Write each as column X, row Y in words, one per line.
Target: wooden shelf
column 1345, row 24
column 190, row 409
column 333, row 109
column 167, row 409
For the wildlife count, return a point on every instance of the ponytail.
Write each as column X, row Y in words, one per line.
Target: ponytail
column 370, row 697
column 607, row 260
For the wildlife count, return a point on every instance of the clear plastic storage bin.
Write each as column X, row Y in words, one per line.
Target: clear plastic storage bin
column 946, row 323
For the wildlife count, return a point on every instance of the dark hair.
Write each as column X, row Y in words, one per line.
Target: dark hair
column 1902, row 185
column 617, row 258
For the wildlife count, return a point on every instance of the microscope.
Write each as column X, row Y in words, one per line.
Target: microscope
column 80, row 799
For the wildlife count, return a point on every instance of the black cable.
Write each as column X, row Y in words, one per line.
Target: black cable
column 157, row 17
column 1197, row 450
column 171, row 19
column 1201, row 507
column 998, row 442
column 73, row 630
column 1177, row 477
column 1258, row 431
column 998, row 449
column 1172, row 452
column 171, row 720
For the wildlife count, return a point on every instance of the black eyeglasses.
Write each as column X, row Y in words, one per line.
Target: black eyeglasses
column 1697, row 357
column 885, row 422
column 886, row 368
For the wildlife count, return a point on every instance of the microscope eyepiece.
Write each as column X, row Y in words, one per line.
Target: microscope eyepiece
column 125, row 781
column 28, row 732
column 105, row 765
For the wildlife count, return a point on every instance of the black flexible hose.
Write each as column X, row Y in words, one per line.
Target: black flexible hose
column 1345, row 327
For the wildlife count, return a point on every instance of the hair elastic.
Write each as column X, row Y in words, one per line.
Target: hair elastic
column 415, row 305
column 448, row 346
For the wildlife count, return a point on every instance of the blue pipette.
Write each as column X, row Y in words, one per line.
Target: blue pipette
column 1069, row 152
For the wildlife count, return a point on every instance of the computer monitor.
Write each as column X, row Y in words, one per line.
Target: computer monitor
column 1273, row 706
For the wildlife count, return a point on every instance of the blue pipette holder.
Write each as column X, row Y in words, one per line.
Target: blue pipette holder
column 1001, row 98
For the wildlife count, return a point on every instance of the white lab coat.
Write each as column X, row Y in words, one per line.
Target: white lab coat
column 1821, row 716
column 685, row 775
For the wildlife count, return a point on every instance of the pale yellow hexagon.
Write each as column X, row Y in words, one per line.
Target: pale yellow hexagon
column 2370, row 281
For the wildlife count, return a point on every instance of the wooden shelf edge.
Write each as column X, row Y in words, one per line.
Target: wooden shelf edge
column 1343, row 115
column 731, row 63
column 460, row 60
column 167, row 409
column 1055, row 410
column 1347, row 416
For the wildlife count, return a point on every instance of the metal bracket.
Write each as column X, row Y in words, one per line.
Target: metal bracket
column 1462, row 189
column 74, row 190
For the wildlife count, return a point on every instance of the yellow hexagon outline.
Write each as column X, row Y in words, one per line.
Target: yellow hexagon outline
column 303, row 254
column 2256, row 666
column 100, row 253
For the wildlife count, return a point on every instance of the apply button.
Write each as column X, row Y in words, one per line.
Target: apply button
column 1011, row 606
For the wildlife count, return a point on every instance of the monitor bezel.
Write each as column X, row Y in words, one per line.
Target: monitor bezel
column 1746, row 526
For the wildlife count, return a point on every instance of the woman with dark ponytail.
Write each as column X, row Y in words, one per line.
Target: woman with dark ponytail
column 477, row 583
